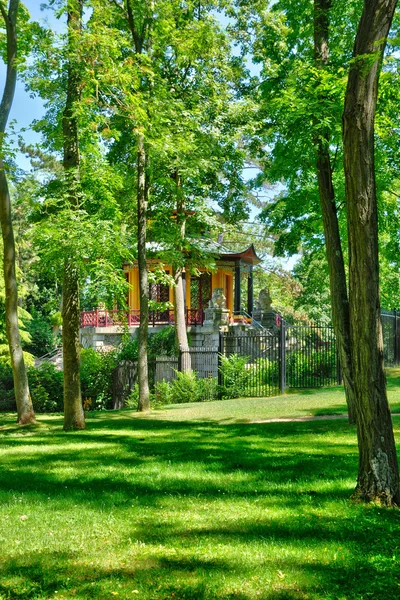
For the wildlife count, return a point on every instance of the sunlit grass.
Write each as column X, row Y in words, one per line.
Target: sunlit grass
column 185, row 504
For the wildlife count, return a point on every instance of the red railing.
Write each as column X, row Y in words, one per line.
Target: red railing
column 118, row 318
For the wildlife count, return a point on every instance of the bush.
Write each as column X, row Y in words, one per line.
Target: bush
column 133, row 398
column 97, row 377
column 41, row 336
column 208, row 389
column 162, row 343
column 185, row 388
column 269, row 371
column 234, row 376
column 303, row 367
column 7, row 399
column 128, row 351
column 46, row 387
column 162, row 394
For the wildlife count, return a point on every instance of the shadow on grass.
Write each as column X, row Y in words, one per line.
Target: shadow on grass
column 289, row 474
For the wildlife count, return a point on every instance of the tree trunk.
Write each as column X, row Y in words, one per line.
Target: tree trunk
column 73, row 411
column 179, row 298
column 21, row 387
column 333, row 245
column 378, row 475
column 140, row 32
column 142, row 193
column 74, row 417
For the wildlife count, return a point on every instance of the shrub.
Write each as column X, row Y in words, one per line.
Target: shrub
column 303, row 367
column 41, row 336
column 46, row 387
column 128, row 350
column 234, row 376
column 208, row 389
column 184, row 388
column 96, row 378
column 133, row 398
column 7, row 399
column 162, row 343
column 162, row 394
column 268, row 369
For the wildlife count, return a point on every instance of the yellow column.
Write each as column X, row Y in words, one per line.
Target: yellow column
column 134, row 302
column 188, row 297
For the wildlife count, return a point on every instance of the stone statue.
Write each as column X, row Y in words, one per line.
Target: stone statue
column 217, row 315
column 264, row 301
column 218, row 299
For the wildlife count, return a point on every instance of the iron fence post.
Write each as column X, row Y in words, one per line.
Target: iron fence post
column 282, row 357
column 180, row 359
column 396, row 346
column 220, row 351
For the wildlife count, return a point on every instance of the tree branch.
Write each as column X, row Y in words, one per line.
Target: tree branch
column 11, row 77
column 4, row 14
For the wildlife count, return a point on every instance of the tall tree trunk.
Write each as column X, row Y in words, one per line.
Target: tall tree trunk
column 143, row 377
column 21, row 387
column 378, row 474
column 179, row 298
column 73, row 411
column 74, row 417
column 141, row 38
column 333, row 245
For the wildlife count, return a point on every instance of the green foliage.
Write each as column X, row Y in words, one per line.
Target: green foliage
column 41, row 336
column 309, row 365
column 133, row 398
column 46, row 387
column 208, row 389
column 162, row 343
column 234, row 376
column 128, row 350
column 184, row 388
column 269, row 370
column 162, row 394
column 7, row 399
column 96, row 378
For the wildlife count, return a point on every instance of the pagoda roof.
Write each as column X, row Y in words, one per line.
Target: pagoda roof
column 248, row 256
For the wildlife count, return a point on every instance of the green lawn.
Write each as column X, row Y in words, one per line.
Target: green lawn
column 197, row 501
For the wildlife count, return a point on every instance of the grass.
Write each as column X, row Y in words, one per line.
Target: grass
column 193, row 502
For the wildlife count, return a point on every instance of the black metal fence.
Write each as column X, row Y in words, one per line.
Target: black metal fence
column 310, row 356
column 391, row 337
column 250, row 363
column 263, row 362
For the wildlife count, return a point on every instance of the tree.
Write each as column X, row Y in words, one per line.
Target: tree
column 298, row 138
column 74, row 417
column 378, row 475
column 333, row 245
column 174, row 103
column 24, row 403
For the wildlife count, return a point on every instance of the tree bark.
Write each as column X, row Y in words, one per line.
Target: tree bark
column 378, row 474
column 333, row 245
column 179, row 298
column 21, row 387
column 73, row 411
column 74, row 417
column 143, row 377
